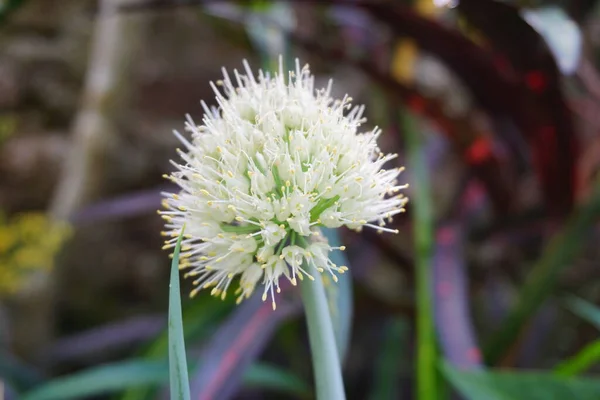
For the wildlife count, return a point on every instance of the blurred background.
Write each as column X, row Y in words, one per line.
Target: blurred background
column 493, row 106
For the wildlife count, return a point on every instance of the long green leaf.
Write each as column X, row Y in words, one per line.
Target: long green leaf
column 178, row 372
column 100, row 380
column 423, row 232
column 479, row 385
column 585, row 310
column 588, row 356
column 339, row 296
column 118, row 376
column 559, row 253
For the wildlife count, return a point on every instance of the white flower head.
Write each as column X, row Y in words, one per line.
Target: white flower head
column 271, row 164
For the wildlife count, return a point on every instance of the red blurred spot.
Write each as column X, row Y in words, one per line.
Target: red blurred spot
column 546, row 148
column 547, row 132
column 536, row 81
column 445, row 236
column 474, row 355
column 479, row 151
column 416, row 104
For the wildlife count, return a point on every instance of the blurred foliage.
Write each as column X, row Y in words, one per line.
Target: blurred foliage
column 135, row 373
column 521, row 386
column 585, row 310
column 508, row 127
column 7, row 6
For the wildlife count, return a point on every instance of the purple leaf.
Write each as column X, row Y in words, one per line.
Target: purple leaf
column 451, row 299
column 105, row 338
column 236, row 344
column 128, row 205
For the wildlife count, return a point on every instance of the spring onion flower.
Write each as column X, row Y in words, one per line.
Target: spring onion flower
column 274, row 162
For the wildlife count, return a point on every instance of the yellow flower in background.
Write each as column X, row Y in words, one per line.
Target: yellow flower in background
column 28, row 243
column 8, row 122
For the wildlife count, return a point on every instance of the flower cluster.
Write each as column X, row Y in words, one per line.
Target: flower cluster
column 271, row 164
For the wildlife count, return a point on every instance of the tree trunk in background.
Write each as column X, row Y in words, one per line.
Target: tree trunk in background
column 108, row 84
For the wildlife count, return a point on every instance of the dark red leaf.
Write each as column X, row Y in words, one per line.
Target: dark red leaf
column 544, row 108
column 499, row 91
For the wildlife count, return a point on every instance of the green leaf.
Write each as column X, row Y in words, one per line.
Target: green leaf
column 479, row 385
column 339, row 297
column 427, row 382
column 99, row 380
column 581, row 361
column 558, row 254
column 178, row 372
column 118, row 376
column 584, row 309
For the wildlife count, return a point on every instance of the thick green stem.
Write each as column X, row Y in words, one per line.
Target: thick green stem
column 423, row 232
column 325, row 359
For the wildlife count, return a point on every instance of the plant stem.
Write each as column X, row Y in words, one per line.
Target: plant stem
column 580, row 362
column 423, row 233
column 325, row 358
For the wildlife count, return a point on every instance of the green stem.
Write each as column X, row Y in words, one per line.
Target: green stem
column 586, row 358
column 325, row 359
column 423, row 233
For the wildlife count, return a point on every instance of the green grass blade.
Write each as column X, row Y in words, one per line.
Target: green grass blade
column 558, row 254
column 178, row 372
column 587, row 357
column 585, row 310
column 427, row 383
